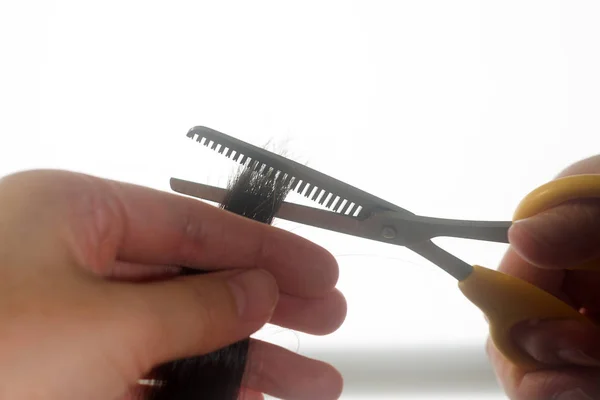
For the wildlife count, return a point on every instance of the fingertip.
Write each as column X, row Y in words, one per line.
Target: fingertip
column 330, row 269
column 338, row 310
column 282, row 373
column 337, row 385
column 559, row 342
column 561, row 237
column 320, row 316
column 522, row 238
column 340, row 305
column 311, row 270
column 329, row 383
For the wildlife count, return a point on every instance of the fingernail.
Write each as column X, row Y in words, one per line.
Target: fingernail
column 575, row 394
column 578, row 357
column 255, row 292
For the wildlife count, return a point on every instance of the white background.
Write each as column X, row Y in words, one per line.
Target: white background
column 450, row 109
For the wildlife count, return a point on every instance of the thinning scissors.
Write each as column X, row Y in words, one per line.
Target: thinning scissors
column 504, row 299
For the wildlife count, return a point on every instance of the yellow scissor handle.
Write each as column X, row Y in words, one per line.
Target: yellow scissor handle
column 507, row 300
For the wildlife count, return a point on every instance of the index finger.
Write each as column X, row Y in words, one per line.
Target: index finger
column 111, row 220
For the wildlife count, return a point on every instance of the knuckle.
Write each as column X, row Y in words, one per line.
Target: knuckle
column 142, row 335
column 145, row 330
column 200, row 304
column 194, row 238
column 104, row 227
column 264, row 250
column 98, row 224
column 187, row 319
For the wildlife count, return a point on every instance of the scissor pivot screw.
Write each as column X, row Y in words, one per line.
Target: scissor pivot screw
column 388, row 232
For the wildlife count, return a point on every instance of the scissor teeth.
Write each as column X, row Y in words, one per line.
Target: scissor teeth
column 308, row 189
column 345, row 207
column 350, row 209
column 314, row 193
column 338, row 205
column 331, row 200
column 302, row 186
column 270, row 172
column 341, row 204
column 334, row 195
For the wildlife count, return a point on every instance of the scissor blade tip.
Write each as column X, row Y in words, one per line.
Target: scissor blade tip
column 174, row 181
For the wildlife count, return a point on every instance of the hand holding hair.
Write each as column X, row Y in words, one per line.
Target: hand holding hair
column 91, row 300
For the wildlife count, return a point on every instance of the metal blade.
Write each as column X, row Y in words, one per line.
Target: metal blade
column 289, row 211
column 390, row 227
column 310, row 178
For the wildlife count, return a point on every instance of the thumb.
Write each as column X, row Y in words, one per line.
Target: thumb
column 192, row 315
column 561, row 237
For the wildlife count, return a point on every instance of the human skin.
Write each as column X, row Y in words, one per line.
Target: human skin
column 91, row 300
column 541, row 249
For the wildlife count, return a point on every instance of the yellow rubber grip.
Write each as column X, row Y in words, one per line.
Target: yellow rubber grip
column 507, row 300
column 558, row 192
